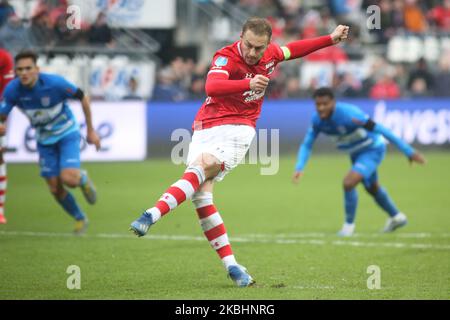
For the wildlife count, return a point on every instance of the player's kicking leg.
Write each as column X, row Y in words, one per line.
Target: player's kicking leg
column 396, row 218
column 206, row 167
column 351, row 180
column 214, row 230
column 213, row 152
column 68, row 203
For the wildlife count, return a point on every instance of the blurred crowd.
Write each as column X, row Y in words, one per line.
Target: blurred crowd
column 184, row 79
column 47, row 27
column 181, row 79
column 309, row 17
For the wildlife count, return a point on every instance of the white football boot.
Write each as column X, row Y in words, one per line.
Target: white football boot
column 347, row 230
column 397, row 221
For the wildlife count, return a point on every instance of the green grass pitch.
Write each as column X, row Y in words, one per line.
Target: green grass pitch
column 283, row 234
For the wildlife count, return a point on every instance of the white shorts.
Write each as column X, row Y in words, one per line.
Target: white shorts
column 3, row 141
column 229, row 143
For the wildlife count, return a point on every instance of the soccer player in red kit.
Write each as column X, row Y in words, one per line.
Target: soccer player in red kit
column 6, row 75
column 225, row 126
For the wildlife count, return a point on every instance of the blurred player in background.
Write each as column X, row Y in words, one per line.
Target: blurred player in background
column 42, row 97
column 6, row 75
column 225, row 127
column 357, row 134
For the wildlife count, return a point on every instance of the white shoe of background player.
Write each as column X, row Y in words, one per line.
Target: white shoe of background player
column 347, row 230
column 397, row 221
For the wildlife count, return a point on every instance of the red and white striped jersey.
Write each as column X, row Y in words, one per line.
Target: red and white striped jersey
column 243, row 107
column 6, row 70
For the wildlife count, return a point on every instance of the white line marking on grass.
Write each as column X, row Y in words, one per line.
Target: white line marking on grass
column 313, row 287
column 288, row 235
column 418, row 235
column 271, row 239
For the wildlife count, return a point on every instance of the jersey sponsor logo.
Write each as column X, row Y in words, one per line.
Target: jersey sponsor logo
column 249, row 75
column 221, row 61
column 49, row 132
column 270, row 64
column 252, row 95
column 40, row 117
column 357, row 135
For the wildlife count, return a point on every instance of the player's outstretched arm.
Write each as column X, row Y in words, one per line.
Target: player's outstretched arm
column 92, row 137
column 301, row 48
column 304, row 153
column 413, row 155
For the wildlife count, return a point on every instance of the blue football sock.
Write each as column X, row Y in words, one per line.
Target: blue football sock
column 70, row 205
column 83, row 178
column 351, row 202
column 385, row 202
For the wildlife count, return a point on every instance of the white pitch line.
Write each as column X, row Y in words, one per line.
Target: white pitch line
column 417, row 235
column 313, row 287
column 247, row 239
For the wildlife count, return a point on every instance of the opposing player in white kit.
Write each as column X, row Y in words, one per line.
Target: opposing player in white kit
column 225, row 126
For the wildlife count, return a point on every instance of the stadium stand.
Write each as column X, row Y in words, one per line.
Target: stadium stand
column 169, row 64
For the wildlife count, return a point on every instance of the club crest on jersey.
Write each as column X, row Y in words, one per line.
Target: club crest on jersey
column 45, row 101
column 270, row 64
column 221, row 61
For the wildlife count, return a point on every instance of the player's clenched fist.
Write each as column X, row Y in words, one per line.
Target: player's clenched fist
column 259, row 83
column 93, row 138
column 340, row 33
column 417, row 157
column 296, row 177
